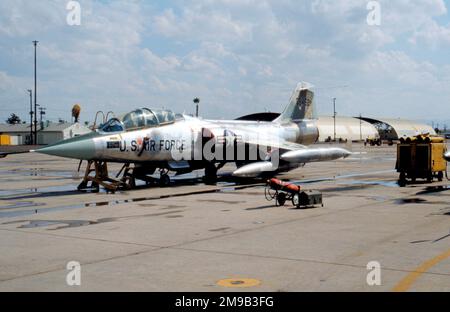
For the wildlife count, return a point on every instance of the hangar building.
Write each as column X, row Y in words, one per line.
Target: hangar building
column 394, row 129
column 347, row 128
column 19, row 134
column 358, row 128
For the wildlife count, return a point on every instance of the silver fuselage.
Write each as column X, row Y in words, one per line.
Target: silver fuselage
column 166, row 142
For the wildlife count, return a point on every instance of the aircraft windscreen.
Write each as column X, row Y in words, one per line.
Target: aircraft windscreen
column 165, row 116
column 141, row 118
column 134, row 120
column 113, row 125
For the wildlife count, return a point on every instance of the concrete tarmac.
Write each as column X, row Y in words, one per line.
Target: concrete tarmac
column 191, row 236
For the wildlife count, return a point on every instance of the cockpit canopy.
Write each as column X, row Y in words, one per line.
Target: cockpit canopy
column 139, row 119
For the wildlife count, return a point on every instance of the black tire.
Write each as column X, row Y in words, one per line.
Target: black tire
column 82, row 185
column 210, row 174
column 402, row 179
column 164, row 180
column 296, row 200
column 281, row 199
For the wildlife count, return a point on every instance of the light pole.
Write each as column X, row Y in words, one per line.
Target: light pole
column 360, row 127
column 41, row 112
column 35, row 93
column 334, row 118
column 31, row 116
column 196, row 101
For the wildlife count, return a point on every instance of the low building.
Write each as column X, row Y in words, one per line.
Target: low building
column 347, row 129
column 19, row 134
column 393, row 129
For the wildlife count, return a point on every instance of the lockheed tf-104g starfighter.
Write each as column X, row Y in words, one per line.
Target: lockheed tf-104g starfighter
column 145, row 140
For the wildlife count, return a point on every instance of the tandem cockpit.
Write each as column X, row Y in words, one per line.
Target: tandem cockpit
column 140, row 119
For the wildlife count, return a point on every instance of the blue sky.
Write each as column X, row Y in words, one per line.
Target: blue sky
column 238, row 56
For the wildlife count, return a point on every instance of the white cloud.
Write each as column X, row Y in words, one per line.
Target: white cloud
column 195, row 25
column 5, row 81
column 239, row 56
column 433, row 35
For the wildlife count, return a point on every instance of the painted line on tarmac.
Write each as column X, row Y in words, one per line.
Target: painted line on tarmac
column 406, row 283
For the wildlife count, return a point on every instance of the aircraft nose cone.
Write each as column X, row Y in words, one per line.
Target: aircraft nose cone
column 78, row 148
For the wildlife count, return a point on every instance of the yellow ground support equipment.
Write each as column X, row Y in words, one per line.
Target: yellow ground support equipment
column 421, row 157
column 5, row 139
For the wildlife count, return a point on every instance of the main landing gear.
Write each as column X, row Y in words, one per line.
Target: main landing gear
column 211, row 173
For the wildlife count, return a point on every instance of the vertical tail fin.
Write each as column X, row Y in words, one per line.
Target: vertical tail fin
column 301, row 104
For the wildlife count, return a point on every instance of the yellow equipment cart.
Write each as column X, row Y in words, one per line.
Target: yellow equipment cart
column 421, row 157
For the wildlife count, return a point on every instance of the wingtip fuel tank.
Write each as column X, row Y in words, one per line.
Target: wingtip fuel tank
column 315, row 154
column 254, row 170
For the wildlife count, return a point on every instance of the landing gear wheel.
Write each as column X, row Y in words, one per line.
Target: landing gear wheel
column 296, row 200
column 402, row 179
column 281, row 199
column 82, row 185
column 95, row 187
column 164, row 180
column 210, row 174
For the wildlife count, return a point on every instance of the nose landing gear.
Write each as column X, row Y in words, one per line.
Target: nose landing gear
column 164, row 179
column 96, row 174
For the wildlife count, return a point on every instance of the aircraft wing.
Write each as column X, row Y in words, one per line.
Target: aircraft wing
column 281, row 145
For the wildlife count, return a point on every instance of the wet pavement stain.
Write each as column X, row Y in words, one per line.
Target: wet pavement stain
column 262, row 207
column 374, row 183
column 47, row 223
column 113, row 202
column 147, row 205
column 244, row 193
column 405, row 201
column 434, row 190
column 23, row 204
column 40, row 172
column 79, row 223
column 345, row 188
column 220, row 201
column 220, row 229
column 171, row 207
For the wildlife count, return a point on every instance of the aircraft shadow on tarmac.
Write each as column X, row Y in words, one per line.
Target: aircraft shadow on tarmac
column 226, row 180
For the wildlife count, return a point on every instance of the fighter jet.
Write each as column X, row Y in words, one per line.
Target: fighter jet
column 151, row 139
